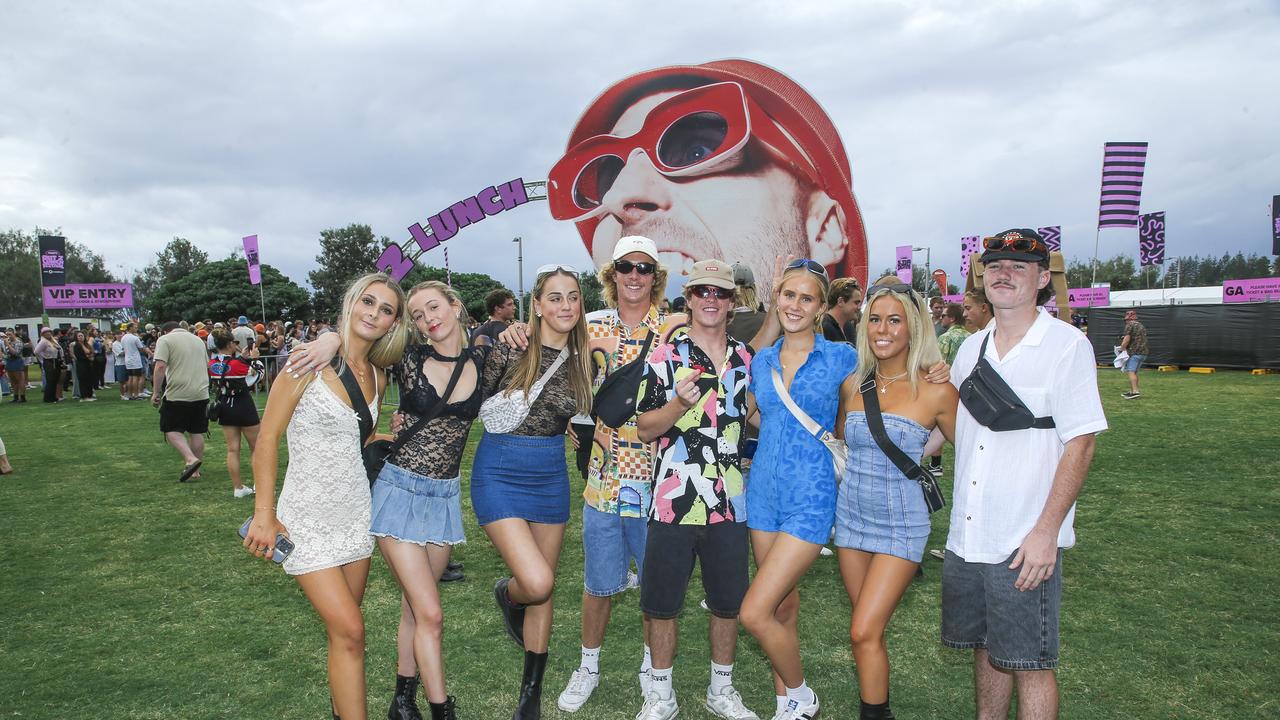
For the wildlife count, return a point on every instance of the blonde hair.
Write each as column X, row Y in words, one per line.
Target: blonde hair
column 922, row 347
column 823, row 288
column 528, row 369
column 747, row 294
column 450, row 295
column 609, row 284
column 386, row 350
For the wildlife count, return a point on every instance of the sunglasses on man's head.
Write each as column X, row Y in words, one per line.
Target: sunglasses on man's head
column 1014, row 242
column 709, row 291
column 624, row 267
column 696, row 132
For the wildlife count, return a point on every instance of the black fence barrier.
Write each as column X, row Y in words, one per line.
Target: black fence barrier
column 1238, row 336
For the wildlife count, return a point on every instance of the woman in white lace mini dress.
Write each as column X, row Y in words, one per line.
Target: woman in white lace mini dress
column 324, row 506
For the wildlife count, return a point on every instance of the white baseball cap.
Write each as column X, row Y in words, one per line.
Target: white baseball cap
column 635, row 243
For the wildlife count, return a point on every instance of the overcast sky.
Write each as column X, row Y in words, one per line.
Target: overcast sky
column 129, row 123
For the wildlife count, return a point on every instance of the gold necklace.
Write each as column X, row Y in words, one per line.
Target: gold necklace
column 890, row 380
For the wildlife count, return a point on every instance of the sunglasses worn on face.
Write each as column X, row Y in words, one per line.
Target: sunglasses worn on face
column 708, row 291
column 624, row 267
column 696, row 132
column 1014, row 242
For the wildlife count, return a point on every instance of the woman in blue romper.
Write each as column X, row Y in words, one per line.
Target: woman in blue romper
column 791, row 492
column 882, row 522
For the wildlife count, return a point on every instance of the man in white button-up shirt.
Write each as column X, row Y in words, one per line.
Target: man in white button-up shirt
column 1015, row 491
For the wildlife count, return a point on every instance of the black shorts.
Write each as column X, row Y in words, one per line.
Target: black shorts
column 184, row 417
column 133, row 372
column 720, row 548
column 238, row 412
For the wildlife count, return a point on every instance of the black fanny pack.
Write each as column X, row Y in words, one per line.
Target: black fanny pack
column 994, row 404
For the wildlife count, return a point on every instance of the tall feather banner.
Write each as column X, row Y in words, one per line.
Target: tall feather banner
column 1122, row 166
column 968, row 246
column 1052, row 237
column 1151, row 239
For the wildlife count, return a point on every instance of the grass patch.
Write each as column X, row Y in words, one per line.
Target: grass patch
column 126, row 595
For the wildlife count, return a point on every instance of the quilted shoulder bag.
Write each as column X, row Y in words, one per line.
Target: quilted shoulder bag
column 503, row 412
column 839, row 451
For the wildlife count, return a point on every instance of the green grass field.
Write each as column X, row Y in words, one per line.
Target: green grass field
column 126, row 595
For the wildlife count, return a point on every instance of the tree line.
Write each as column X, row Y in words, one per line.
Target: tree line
column 183, row 283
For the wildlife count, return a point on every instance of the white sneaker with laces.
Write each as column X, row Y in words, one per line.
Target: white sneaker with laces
column 242, row 491
column 582, row 683
column 657, row 708
column 728, row 704
column 804, row 712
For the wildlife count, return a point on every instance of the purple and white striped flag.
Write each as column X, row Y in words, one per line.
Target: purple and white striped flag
column 968, row 246
column 1122, row 167
column 1151, row 239
column 448, row 276
column 1052, row 237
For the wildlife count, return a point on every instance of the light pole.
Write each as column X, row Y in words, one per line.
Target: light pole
column 928, row 253
column 520, row 273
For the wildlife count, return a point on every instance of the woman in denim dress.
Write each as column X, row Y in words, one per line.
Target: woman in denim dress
column 882, row 522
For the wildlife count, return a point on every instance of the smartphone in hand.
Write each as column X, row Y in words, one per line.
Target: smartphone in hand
column 283, row 546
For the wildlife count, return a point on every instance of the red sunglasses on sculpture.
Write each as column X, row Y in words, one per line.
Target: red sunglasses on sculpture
column 697, row 132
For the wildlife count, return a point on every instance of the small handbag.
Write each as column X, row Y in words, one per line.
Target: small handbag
column 839, row 450
column 504, row 412
column 214, row 411
column 615, row 401
column 875, row 423
column 994, row 404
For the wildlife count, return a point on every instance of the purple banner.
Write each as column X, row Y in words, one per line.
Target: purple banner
column 1122, row 166
column 251, row 257
column 1052, row 237
column 1275, row 224
column 904, row 263
column 89, row 297
column 958, row 299
column 1258, row 290
column 1151, row 239
column 968, row 246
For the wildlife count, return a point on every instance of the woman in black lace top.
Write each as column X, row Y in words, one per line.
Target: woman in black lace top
column 520, row 481
column 417, row 499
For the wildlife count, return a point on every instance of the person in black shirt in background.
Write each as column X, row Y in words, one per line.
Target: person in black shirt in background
column 844, row 310
column 501, row 306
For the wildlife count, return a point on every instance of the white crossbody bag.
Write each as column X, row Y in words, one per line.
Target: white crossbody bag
column 839, row 451
column 504, row 412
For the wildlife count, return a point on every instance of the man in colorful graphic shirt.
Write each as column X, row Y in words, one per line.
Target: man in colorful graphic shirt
column 616, row 501
column 693, row 401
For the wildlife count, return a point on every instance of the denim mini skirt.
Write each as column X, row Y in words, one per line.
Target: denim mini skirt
column 416, row 509
column 520, row 476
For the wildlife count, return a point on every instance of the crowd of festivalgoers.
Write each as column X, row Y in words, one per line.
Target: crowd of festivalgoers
column 717, row 427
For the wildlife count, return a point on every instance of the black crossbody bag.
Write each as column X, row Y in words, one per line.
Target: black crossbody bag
column 994, row 404
column 375, row 454
column 615, row 401
column 875, row 423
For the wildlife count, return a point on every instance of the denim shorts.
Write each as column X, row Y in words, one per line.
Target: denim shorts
column 982, row 609
column 1134, row 363
column 609, row 543
column 720, row 548
column 416, row 509
column 121, row 374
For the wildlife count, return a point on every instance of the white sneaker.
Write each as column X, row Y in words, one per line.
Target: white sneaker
column 656, row 708
column 825, row 551
column 646, row 684
column 582, row 683
column 728, row 704
column 633, row 580
column 242, row 491
column 804, row 712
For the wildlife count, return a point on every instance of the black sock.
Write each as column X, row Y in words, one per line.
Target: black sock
column 935, row 461
column 876, row 711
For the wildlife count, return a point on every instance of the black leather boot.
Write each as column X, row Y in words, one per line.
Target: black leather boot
column 512, row 612
column 530, row 705
column 444, row 710
column 878, row 711
column 404, row 705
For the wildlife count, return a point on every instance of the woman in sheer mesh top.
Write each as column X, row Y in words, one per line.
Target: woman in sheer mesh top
column 520, row 481
column 417, row 498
